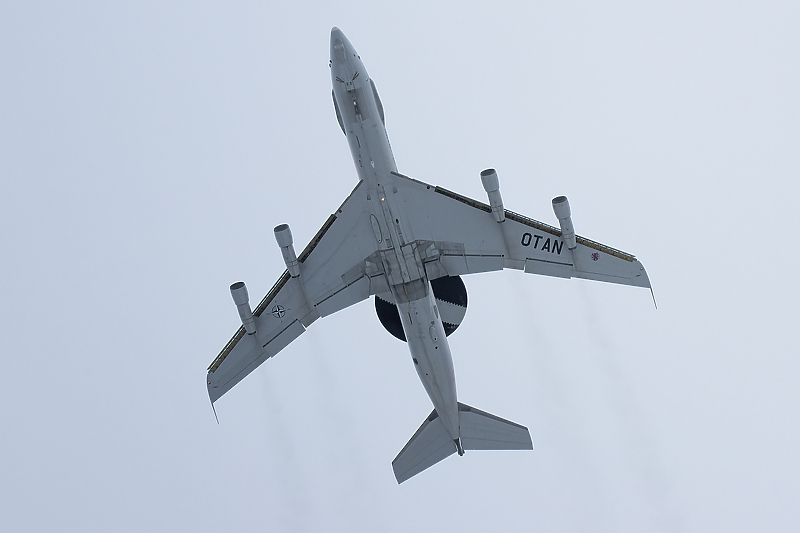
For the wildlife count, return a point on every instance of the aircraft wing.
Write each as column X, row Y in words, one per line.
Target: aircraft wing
column 334, row 273
column 461, row 236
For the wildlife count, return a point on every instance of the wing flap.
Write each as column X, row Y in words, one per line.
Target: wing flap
column 548, row 268
column 456, row 265
column 345, row 296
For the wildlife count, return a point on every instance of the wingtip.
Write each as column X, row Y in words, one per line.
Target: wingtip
column 215, row 412
column 653, row 294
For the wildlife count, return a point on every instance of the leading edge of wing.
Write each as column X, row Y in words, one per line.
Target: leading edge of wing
column 541, row 226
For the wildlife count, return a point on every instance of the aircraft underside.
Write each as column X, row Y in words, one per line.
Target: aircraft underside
column 407, row 244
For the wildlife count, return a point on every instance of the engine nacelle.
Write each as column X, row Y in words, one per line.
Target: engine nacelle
column 284, row 237
column 338, row 114
column 378, row 102
column 451, row 303
column 564, row 216
column 491, row 184
column 242, row 301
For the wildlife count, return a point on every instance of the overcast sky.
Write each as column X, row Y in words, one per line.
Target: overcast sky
column 147, row 149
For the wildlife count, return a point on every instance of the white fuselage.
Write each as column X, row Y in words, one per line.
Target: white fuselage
column 369, row 144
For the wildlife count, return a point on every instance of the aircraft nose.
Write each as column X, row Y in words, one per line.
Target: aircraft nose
column 337, row 44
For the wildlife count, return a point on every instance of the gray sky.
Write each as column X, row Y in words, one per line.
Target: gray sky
column 147, row 149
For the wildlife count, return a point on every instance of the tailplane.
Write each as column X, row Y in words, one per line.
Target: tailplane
column 483, row 431
column 479, row 431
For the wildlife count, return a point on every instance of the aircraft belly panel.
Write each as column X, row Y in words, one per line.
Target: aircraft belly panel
column 431, row 355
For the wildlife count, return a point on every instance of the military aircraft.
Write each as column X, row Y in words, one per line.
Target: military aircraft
column 407, row 243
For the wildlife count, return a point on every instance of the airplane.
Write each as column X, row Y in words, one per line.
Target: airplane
column 407, row 243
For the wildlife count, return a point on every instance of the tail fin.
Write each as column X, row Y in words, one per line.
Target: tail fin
column 479, row 431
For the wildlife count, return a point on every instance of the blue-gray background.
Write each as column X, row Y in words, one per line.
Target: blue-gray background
column 147, row 149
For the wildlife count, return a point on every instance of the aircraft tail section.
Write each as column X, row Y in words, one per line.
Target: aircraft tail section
column 479, row 431
column 429, row 445
column 483, row 431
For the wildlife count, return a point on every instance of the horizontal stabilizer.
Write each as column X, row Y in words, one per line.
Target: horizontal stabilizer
column 483, row 431
column 429, row 445
column 479, row 431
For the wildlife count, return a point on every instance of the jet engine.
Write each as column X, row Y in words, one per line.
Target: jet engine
column 242, row 301
column 284, row 237
column 378, row 102
column 451, row 302
column 491, row 184
column 338, row 114
column 564, row 216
